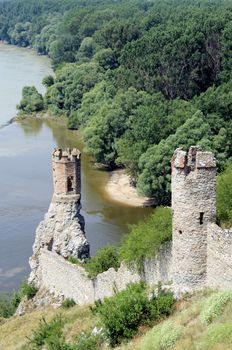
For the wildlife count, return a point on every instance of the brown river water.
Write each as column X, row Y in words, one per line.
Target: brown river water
column 25, row 174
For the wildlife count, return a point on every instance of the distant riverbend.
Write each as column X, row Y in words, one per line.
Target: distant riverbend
column 25, row 178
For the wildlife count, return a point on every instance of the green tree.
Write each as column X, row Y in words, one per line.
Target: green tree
column 32, row 100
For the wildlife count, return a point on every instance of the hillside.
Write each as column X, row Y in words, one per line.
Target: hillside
column 199, row 322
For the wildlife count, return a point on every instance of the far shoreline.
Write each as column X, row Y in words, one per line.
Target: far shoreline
column 119, row 189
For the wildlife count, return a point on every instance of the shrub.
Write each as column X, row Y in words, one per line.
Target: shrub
column 214, row 306
column 49, row 334
column 218, row 336
column 67, row 303
column 145, row 238
column 88, row 341
column 28, row 290
column 124, row 312
column 161, row 337
column 74, row 260
column 104, row 259
column 32, row 100
column 9, row 303
column 224, row 197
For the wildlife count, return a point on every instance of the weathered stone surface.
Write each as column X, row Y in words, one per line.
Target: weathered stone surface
column 194, row 206
column 62, row 232
column 71, row 281
column 219, row 257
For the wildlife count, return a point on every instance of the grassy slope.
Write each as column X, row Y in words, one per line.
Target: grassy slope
column 187, row 328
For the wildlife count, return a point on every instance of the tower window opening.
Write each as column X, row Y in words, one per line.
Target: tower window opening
column 201, row 218
column 70, row 183
column 180, row 232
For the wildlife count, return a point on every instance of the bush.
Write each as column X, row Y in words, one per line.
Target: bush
column 215, row 305
column 32, row 100
column 161, row 337
column 124, row 312
column 28, row 290
column 145, row 238
column 49, row 334
column 218, row 336
column 67, row 303
column 224, row 197
column 88, row 341
column 74, row 260
column 6, row 307
column 104, row 259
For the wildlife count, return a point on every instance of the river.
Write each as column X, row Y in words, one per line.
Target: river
column 25, row 175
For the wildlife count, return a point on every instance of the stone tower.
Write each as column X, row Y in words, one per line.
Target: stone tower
column 62, row 231
column 194, row 206
column 66, row 166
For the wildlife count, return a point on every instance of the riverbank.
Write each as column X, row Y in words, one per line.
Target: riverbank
column 119, row 189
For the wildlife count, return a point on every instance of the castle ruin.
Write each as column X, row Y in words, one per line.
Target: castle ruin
column 62, row 230
column 194, row 207
column 199, row 255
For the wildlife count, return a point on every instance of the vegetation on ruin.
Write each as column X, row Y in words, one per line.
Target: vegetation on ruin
column 10, row 301
column 145, row 238
column 138, row 78
column 224, row 197
column 105, row 258
column 202, row 321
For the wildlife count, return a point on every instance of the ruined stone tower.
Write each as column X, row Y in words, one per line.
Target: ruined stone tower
column 62, row 231
column 66, row 166
column 194, row 206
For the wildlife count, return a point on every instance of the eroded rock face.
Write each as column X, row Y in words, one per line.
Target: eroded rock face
column 61, row 231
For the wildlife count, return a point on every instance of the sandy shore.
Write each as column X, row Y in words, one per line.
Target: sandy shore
column 120, row 190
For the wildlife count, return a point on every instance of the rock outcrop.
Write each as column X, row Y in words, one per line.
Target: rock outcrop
column 62, row 230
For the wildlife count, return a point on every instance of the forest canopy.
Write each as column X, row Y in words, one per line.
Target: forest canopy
column 138, row 78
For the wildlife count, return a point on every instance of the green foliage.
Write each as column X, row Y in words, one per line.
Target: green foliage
column 214, row 306
column 74, row 260
column 161, row 337
column 125, row 311
column 224, row 197
column 218, row 336
column 154, row 179
column 31, row 101
column 49, row 334
column 28, row 290
column 48, row 81
column 88, row 341
column 8, row 304
column 138, row 78
column 104, row 259
column 67, row 303
column 145, row 238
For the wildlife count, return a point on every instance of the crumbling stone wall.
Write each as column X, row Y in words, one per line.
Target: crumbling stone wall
column 62, row 278
column 219, row 257
column 194, row 206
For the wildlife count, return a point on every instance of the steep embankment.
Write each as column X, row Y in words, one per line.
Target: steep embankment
column 201, row 322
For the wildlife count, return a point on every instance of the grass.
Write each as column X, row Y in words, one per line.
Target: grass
column 184, row 329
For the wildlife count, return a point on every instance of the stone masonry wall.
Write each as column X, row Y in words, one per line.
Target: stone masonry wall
column 194, row 206
column 219, row 257
column 61, row 277
column 66, row 166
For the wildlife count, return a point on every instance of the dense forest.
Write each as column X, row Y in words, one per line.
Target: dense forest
column 138, row 78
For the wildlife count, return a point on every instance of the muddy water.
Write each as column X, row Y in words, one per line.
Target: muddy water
column 26, row 188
